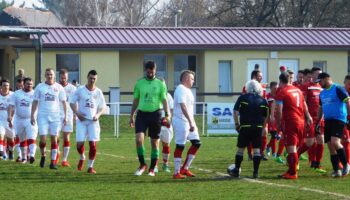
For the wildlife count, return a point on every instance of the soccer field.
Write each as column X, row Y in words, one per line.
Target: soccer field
column 116, row 163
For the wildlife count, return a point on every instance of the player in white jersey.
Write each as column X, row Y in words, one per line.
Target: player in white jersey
column 68, row 128
column 47, row 99
column 185, row 127
column 21, row 102
column 166, row 134
column 88, row 104
column 6, row 130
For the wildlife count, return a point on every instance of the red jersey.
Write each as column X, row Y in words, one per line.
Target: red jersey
column 270, row 99
column 263, row 87
column 298, row 85
column 312, row 94
column 293, row 104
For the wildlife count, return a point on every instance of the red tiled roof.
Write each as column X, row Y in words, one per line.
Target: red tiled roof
column 197, row 38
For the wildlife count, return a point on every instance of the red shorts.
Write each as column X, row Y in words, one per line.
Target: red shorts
column 292, row 133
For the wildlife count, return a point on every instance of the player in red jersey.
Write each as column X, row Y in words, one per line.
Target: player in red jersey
column 290, row 103
column 315, row 147
column 257, row 75
column 346, row 136
column 300, row 79
column 271, row 147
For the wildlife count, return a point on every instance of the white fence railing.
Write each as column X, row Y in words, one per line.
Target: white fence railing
column 117, row 109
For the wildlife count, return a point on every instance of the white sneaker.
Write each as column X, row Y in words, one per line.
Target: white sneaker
column 336, row 174
column 346, row 170
column 140, row 170
column 151, row 173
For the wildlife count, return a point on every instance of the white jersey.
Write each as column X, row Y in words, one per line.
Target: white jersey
column 183, row 95
column 22, row 101
column 69, row 90
column 49, row 98
column 170, row 100
column 89, row 102
column 4, row 103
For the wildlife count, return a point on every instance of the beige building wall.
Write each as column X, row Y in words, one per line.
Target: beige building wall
column 336, row 66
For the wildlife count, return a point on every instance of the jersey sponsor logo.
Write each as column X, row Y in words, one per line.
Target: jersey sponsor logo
column 24, row 103
column 89, row 103
column 49, row 97
column 3, row 106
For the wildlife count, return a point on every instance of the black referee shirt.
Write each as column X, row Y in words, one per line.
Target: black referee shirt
column 252, row 108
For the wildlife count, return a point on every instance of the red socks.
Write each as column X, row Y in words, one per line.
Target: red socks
column 92, row 151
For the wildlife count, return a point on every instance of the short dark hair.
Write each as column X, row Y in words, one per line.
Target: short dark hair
column 284, row 77
column 49, row 69
column 307, row 71
column 300, row 71
column 27, row 79
column 150, row 64
column 315, row 69
column 185, row 73
column 273, row 84
column 4, row 80
column 92, row 72
column 254, row 73
column 347, row 77
column 63, row 71
column 19, row 80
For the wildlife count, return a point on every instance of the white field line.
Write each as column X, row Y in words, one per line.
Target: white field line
column 343, row 196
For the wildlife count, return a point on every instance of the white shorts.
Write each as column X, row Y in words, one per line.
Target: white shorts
column 166, row 134
column 87, row 129
column 182, row 131
column 25, row 130
column 49, row 124
column 6, row 131
column 68, row 128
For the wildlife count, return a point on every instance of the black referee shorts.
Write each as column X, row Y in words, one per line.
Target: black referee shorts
column 333, row 128
column 249, row 135
column 150, row 121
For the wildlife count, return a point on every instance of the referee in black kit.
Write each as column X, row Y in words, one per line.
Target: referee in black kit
column 252, row 110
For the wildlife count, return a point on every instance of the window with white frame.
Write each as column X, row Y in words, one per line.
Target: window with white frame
column 320, row 64
column 184, row 62
column 71, row 62
column 160, row 61
column 260, row 64
column 225, row 76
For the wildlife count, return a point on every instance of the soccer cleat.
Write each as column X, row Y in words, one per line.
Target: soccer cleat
column 255, row 175
column 31, row 160
column 279, row 159
column 264, row 157
column 274, row 155
column 336, row 174
column 4, row 157
column 80, row 165
column 320, row 170
column 346, row 170
column 24, row 161
column 178, row 176
column 156, row 170
column 302, row 157
column 11, row 156
column 53, row 166
column 151, row 172
column 140, row 170
column 234, row 172
column 65, row 164
column 42, row 161
column 19, row 159
column 268, row 151
column 289, row 176
column 166, row 168
column 91, row 170
column 186, row 172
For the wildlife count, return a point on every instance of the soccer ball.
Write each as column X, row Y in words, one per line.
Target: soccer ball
column 231, row 167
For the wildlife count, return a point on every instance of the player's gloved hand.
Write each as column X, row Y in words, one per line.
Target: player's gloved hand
column 165, row 122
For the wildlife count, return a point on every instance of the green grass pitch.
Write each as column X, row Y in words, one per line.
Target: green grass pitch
column 116, row 163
